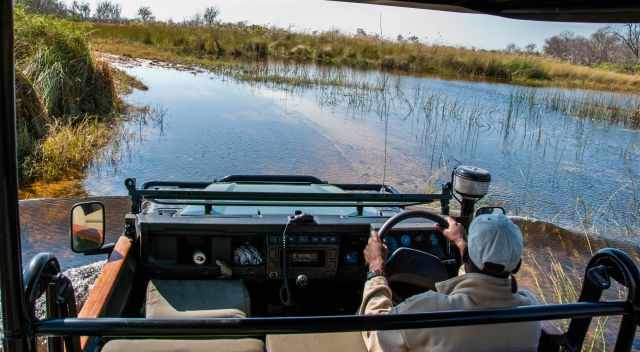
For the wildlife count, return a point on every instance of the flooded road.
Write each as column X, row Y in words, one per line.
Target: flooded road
column 578, row 173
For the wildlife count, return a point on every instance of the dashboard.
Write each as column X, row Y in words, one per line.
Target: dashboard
column 253, row 248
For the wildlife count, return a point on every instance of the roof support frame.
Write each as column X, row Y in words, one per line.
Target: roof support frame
column 14, row 319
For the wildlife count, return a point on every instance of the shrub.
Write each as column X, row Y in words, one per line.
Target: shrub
column 301, row 53
column 55, row 58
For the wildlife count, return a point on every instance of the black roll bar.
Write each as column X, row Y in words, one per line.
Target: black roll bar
column 14, row 320
column 140, row 327
column 43, row 276
column 607, row 263
column 183, row 195
column 365, row 187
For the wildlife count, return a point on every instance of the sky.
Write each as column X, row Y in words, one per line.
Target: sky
column 469, row 30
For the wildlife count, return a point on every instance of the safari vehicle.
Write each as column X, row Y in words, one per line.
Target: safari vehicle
column 249, row 263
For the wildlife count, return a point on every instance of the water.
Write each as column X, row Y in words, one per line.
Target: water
column 575, row 172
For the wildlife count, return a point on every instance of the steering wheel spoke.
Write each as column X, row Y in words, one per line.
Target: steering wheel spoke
column 412, row 267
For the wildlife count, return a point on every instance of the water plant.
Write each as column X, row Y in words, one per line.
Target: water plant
column 233, row 42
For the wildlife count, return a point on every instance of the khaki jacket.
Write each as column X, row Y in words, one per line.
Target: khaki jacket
column 468, row 291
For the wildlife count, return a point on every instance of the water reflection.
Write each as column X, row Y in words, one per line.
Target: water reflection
column 355, row 126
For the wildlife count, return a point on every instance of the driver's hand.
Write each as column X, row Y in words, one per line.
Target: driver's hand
column 375, row 252
column 453, row 233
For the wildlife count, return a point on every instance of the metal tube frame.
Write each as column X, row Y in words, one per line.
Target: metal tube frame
column 606, row 264
column 198, row 196
column 140, row 327
column 14, row 320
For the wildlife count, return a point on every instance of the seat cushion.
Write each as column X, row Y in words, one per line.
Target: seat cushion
column 197, row 298
column 335, row 341
column 158, row 345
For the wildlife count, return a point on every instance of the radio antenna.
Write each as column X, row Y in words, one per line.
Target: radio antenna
column 386, row 132
column 384, row 113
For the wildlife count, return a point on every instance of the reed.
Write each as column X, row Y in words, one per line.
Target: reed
column 69, row 148
column 54, row 56
column 556, row 285
column 66, row 98
column 239, row 42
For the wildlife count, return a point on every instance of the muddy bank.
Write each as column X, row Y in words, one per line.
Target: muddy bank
column 44, row 227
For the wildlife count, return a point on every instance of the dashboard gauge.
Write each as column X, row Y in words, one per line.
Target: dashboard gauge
column 405, row 240
column 351, row 258
column 434, row 240
column 392, row 244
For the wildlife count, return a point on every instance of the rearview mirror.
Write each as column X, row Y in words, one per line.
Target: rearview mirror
column 87, row 227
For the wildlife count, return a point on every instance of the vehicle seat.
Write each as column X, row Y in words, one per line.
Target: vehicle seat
column 321, row 342
column 162, row 345
column 197, row 298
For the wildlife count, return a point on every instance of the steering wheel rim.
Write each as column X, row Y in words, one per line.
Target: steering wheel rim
column 410, row 214
column 401, row 266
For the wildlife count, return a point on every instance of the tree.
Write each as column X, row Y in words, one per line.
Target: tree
column 413, row 39
column 145, row 14
column 81, row 10
column 629, row 35
column 531, row 48
column 512, row 48
column 195, row 20
column 49, row 7
column 606, row 46
column 211, row 15
column 108, row 11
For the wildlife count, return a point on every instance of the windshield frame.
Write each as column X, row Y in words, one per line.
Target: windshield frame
column 355, row 195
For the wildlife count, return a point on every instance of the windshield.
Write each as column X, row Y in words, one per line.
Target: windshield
column 284, row 208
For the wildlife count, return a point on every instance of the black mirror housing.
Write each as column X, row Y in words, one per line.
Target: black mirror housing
column 87, row 227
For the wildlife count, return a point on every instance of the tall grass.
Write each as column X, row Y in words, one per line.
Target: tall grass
column 555, row 285
column 69, row 148
column 55, row 57
column 65, row 98
column 611, row 108
column 232, row 42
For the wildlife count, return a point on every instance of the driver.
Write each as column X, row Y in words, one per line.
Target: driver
column 491, row 255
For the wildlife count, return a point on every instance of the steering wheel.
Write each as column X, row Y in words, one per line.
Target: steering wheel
column 412, row 267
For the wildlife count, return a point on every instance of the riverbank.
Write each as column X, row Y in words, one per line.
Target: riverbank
column 223, row 45
column 68, row 102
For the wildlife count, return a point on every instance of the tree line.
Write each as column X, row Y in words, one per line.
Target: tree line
column 617, row 47
column 109, row 11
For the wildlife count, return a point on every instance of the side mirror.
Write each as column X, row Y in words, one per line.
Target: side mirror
column 87, row 227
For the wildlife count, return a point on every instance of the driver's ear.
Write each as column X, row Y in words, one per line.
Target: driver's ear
column 517, row 268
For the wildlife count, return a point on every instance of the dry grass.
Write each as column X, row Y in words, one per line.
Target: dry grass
column 555, row 285
column 69, row 148
column 227, row 43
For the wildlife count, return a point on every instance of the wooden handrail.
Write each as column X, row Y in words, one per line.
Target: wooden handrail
column 105, row 284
